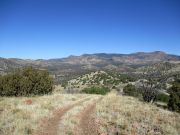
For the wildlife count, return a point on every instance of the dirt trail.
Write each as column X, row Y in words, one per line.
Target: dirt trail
column 88, row 124
column 49, row 126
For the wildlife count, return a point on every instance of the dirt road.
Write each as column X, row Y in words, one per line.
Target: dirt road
column 87, row 124
column 49, row 126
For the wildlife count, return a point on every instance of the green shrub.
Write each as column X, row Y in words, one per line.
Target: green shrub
column 174, row 100
column 131, row 90
column 96, row 90
column 125, row 78
column 26, row 82
column 162, row 98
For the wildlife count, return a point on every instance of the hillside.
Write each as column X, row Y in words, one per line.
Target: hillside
column 89, row 62
column 100, row 78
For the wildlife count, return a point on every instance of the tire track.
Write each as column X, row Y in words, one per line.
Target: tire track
column 49, row 126
column 88, row 123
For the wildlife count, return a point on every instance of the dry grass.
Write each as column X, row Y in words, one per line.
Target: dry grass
column 128, row 116
column 116, row 114
column 70, row 121
column 21, row 116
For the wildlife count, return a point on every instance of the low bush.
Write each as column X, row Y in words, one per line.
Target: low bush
column 130, row 90
column 96, row 90
column 162, row 98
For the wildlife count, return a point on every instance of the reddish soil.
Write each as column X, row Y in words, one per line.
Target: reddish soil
column 28, row 102
column 49, row 126
column 89, row 125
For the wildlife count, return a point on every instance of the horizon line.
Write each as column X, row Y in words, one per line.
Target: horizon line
column 72, row 55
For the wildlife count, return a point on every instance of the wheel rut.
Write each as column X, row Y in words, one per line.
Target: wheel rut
column 88, row 123
column 49, row 126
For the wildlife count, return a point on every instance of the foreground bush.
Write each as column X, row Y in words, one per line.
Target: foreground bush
column 96, row 90
column 26, row 82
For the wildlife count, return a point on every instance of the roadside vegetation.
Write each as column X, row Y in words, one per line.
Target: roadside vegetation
column 127, row 115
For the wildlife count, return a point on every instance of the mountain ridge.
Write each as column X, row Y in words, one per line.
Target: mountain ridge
column 87, row 54
column 84, row 62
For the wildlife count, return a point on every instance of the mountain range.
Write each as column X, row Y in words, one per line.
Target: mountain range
column 86, row 62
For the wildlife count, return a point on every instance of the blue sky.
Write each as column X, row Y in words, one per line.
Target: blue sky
column 58, row 28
